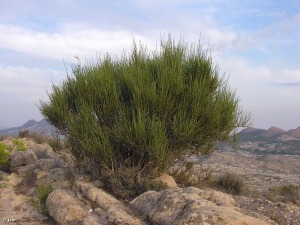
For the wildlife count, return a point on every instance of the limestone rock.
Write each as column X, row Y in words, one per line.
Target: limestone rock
column 13, row 179
column 120, row 216
column 94, row 220
column 43, row 151
column 114, row 210
column 23, row 158
column 97, row 195
column 45, row 164
column 65, row 208
column 2, row 174
column 24, row 171
column 166, row 179
column 217, row 197
column 185, row 206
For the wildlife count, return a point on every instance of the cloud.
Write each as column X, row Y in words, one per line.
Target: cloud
column 83, row 43
column 26, row 84
column 21, row 89
column 289, row 84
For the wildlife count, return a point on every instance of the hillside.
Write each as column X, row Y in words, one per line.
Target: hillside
column 271, row 141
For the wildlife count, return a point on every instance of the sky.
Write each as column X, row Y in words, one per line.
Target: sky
column 255, row 43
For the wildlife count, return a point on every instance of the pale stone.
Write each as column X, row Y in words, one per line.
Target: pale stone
column 43, row 151
column 184, row 206
column 24, row 171
column 65, row 208
column 23, row 158
column 115, row 210
column 166, row 179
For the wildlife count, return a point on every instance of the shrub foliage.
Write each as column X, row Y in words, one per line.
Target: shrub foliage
column 4, row 155
column 144, row 109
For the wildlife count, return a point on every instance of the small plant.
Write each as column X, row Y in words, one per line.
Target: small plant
column 42, row 194
column 33, row 202
column 285, row 193
column 55, row 143
column 4, row 155
column 20, row 146
column 231, row 183
column 23, row 133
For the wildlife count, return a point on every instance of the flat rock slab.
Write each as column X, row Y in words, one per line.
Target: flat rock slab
column 185, row 206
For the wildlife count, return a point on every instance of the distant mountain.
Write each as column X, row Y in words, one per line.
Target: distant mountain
column 271, row 141
column 41, row 127
column 273, row 133
column 294, row 132
column 254, row 134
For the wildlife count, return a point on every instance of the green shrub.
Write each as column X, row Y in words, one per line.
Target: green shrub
column 231, row 183
column 4, row 155
column 42, row 194
column 145, row 109
column 55, row 142
column 18, row 143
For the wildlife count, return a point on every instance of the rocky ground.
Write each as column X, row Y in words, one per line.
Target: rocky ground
column 79, row 200
column 260, row 172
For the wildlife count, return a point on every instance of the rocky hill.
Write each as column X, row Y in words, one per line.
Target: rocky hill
column 75, row 198
column 41, row 127
column 271, row 141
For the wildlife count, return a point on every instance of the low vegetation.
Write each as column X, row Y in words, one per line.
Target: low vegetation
column 40, row 201
column 230, row 183
column 285, row 193
column 37, row 138
column 4, row 157
column 19, row 144
column 204, row 176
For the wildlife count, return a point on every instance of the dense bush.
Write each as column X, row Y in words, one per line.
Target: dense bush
column 145, row 109
column 4, row 156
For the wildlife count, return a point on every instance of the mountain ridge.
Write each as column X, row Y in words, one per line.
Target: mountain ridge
column 272, row 132
column 41, row 127
column 271, row 141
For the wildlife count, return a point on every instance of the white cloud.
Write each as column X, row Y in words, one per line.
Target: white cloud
column 83, row 43
column 291, row 75
column 26, row 84
column 21, row 89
